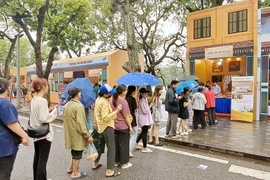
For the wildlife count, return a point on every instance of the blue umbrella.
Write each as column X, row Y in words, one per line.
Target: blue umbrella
column 181, row 87
column 88, row 93
column 191, row 84
column 138, row 79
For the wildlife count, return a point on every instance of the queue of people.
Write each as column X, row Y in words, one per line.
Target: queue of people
column 178, row 105
column 117, row 118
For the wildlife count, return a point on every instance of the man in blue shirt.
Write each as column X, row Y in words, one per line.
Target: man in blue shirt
column 216, row 88
column 9, row 126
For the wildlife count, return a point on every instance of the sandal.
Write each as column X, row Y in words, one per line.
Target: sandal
column 151, row 143
column 82, row 175
column 70, row 172
column 113, row 174
column 98, row 166
column 159, row 144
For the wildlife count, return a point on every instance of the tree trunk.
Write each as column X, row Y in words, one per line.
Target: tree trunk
column 8, row 58
column 133, row 64
column 39, row 67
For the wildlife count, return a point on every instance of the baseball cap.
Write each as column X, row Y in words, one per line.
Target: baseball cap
column 106, row 89
column 73, row 91
column 143, row 90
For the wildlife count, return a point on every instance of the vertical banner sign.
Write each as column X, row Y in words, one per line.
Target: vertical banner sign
column 242, row 98
column 61, row 98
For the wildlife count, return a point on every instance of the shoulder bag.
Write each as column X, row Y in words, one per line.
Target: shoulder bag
column 39, row 132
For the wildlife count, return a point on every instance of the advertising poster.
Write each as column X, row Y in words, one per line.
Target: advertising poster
column 61, row 98
column 242, row 98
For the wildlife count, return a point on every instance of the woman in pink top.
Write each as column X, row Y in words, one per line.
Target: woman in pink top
column 123, row 128
column 144, row 120
column 210, row 104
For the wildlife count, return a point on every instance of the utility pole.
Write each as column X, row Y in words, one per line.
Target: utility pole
column 18, row 72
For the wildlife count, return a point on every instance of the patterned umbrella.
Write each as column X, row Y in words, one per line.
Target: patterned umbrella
column 138, row 79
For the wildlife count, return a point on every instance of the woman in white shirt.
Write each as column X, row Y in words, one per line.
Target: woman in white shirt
column 39, row 114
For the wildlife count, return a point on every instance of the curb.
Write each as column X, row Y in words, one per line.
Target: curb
column 216, row 149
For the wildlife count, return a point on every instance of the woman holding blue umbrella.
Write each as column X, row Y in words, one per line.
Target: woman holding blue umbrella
column 184, row 114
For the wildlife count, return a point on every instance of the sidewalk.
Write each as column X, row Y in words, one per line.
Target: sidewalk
column 250, row 140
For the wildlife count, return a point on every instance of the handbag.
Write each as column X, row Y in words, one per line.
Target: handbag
column 41, row 131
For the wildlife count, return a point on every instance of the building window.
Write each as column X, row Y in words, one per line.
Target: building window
column 202, row 28
column 192, row 67
column 238, row 21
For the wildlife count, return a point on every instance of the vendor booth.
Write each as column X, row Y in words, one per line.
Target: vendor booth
column 99, row 68
column 222, row 45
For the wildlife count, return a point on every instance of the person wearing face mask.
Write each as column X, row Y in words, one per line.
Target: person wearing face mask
column 9, row 125
column 104, row 121
column 77, row 135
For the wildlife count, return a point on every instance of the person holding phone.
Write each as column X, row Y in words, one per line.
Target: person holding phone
column 183, row 112
column 39, row 114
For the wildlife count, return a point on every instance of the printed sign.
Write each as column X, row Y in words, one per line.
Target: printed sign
column 219, row 52
column 75, row 63
column 242, row 98
column 61, row 99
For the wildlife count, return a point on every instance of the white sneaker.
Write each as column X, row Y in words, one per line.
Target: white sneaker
column 138, row 147
column 146, row 150
column 190, row 130
column 184, row 134
column 175, row 137
column 131, row 155
column 128, row 165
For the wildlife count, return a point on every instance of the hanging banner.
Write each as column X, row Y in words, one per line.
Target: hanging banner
column 219, row 52
column 242, row 98
column 61, row 99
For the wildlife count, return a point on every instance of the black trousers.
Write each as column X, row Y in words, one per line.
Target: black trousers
column 143, row 136
column 211, row 116
column 198, row 118
column 107, row 137
column 122, row 138
column 6, row 166
column 42, row 151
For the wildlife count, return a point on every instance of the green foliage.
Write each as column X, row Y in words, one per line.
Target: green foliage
column 66, row 25
column 151, row 17
column 263, row 4
column 69, row 26
column 170, row 73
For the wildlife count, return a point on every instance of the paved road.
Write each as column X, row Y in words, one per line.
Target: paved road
column 168, row 163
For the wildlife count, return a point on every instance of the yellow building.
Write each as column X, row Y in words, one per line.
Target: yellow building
column 99, row 68
column 222, row 42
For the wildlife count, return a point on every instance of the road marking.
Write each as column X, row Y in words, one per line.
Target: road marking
column 27, row 118
column 249, row 172
column 191, row 154
column 168, row 149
